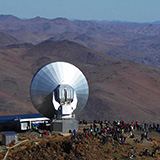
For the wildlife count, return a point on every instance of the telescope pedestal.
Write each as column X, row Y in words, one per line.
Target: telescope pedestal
column 65, row 125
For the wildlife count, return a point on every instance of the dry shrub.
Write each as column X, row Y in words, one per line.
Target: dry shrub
column 1, row 156
column 158, row 141
column 155, row 141
column 144, row 157
column 52, row 147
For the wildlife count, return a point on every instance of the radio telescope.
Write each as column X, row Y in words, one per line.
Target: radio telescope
column 59, row 90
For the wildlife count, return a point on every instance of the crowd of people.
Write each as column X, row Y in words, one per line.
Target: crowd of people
column 119, row 131
column 118, row 128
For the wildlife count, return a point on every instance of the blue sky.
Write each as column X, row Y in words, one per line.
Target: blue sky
column 122, row 10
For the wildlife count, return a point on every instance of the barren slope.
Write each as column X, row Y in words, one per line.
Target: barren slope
column 119, row 89
column 134, row 41
column 6, row 39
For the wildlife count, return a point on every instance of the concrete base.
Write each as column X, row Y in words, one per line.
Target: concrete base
column 65, row 125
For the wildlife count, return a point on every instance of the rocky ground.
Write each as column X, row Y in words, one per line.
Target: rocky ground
column 56, row 147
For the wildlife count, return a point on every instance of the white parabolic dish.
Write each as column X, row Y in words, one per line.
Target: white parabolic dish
column 48, row 78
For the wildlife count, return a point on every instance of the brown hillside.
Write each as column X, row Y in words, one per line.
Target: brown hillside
column 14, row 82
column 119, row 89
column 134, row 41
column 6, row 39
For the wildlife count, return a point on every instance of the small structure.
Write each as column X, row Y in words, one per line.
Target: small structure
column 9, row 137
column 27, row 123
column 19, row 123
column 64, row 125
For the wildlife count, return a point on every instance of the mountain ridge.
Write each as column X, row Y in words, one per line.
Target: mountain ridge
column 119, row 89
column 138, row 42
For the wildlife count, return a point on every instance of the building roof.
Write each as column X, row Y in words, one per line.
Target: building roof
column 34, row 119
column 12, row 118
column 9, row 133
